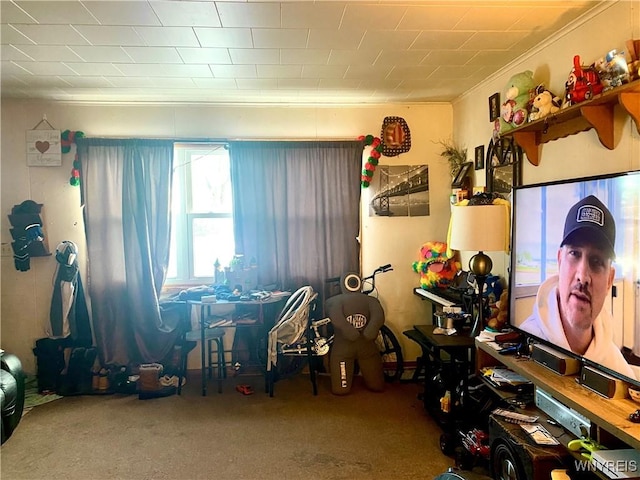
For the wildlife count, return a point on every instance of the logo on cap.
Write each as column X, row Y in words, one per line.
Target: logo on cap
column 589, row 213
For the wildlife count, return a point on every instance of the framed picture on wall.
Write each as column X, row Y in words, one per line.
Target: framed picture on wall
column 502, row 177
column 458, row 180
column 494, row 106
column 479, row 157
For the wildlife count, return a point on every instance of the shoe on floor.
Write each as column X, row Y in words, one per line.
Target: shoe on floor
column 244, row 389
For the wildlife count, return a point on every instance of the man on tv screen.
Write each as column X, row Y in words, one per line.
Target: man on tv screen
column 568, row 309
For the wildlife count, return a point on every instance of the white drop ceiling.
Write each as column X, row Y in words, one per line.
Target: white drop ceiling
column 262, row 52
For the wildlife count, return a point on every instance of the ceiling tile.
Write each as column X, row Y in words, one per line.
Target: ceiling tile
column 257, row 83
column 47, row 81
column 13, row 68
column 441, row 40
column 224, row 83
column 101, row 35
column 46, row 68
column 366, row 72
column 94, row 69
column 122, row 12
column 298, row 83
column 456, row 71
column 285, row 38
column 204, row 55
column 9, row 52
column 279, row 71
column 353, row 57
column 432, row 17
column 312, row 15
column 153, row 54
column 343, row 39
column 101, row 54
column 49, row 53
column 324, row 71
column 168, row 36
column 448, row 57
column 127, row 82
column 9, row 35
column 171, row 83
column 339, row 83
column 389, row 39
column 249, row 14
column 224, row 37
column 493, row 18
column 186, row 14
column 10, row 13
column 247, row 56
column 422, row 71
column 86, row 82
column 234, row 71
column 496, row 57
column 401, row 57
column 364, row 17
column 159, row 70
column 51, row 34
column 304, row 56
column 493, row 40
column 58, row 12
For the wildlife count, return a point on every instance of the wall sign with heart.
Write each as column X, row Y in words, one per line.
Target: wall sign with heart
column 43, row 148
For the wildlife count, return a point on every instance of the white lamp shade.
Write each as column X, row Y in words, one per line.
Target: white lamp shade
column 479, row 228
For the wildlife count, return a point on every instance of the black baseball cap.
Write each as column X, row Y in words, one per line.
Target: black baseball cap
column 594, row 221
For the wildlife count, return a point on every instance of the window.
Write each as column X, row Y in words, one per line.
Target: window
column 202, row 215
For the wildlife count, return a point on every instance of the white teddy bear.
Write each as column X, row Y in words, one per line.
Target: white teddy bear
column 544, row 103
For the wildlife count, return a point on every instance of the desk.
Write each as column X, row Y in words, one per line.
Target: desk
column 452, row 369
column 256, row 324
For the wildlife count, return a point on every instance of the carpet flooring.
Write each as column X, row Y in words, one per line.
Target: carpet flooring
column 294, row 435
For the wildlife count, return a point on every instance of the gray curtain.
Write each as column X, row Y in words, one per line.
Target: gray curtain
column 296, row 209
column 126, row 187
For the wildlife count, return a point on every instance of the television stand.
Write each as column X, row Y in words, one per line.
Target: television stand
column 609, row 415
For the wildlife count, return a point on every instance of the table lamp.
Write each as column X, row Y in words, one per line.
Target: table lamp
column 479, row 228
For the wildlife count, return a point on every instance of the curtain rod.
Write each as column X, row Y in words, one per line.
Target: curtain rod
column 227, row 140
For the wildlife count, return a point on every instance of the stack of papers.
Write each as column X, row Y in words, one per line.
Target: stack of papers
column 502, row 377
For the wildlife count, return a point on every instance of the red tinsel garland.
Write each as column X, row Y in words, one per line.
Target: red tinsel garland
column 372, row 161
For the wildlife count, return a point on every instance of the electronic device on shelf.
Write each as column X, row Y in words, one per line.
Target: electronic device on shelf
column 567, row 417
column 539, row 213
column 515, row 417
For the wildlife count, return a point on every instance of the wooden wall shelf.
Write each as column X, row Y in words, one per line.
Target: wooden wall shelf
column 611, row 415
column 597, row 113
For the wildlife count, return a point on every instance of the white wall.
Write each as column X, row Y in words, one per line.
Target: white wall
column 26, row 296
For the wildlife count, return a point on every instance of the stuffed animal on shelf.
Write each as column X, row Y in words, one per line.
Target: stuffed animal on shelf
column 612, row 69
column 436, row 268
column 544, row 103
column 514, row 111
column 583, row 84
column 499, row 312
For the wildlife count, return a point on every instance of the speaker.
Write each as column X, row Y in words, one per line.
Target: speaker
column 515, row 457
column 554, row 360
column 602, row 383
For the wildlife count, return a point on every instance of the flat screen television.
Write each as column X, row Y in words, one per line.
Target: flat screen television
column 538, row 278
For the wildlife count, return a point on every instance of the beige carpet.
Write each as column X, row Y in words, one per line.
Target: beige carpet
column 293, row 435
